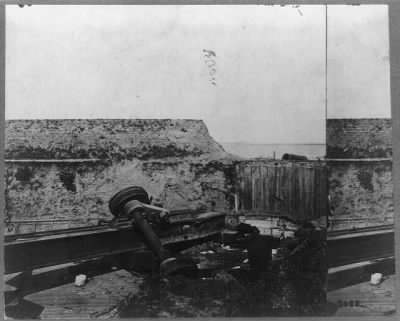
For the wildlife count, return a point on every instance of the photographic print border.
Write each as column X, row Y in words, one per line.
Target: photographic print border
column 394, row 45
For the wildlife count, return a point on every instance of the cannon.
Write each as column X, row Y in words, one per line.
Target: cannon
column 294, row 157
column 137, row 224
column 133, row 204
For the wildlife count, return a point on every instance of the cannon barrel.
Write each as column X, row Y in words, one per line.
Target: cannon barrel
column 287, row 156
column 133, row 203
column 136, row 211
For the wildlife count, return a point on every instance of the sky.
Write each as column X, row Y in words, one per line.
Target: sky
column 252, row 73
column 358, row 62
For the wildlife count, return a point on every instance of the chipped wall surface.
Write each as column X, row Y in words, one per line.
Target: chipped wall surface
column 76, row 193
column 359, row 138
column 360, row 172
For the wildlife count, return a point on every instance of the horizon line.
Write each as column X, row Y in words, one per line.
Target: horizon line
column 248, row 143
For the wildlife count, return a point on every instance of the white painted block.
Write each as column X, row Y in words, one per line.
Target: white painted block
column 376, row 278
column 80, row 280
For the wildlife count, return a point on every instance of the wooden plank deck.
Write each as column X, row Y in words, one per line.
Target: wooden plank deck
column 53, row 294
column 364, row 299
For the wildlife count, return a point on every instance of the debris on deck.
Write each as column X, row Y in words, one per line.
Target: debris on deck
column 229, row 284
column 155, row 268
column 228, row 281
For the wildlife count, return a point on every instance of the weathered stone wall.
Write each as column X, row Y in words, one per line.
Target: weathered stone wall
column 359, row 138
column 67, row 179
column 361, row 194
column 115, row 139
column 360, row 172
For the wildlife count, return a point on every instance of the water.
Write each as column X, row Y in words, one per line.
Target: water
column 247, row 150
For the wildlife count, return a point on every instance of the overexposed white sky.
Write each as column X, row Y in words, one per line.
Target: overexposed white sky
column 358, row 62
column 265, row 84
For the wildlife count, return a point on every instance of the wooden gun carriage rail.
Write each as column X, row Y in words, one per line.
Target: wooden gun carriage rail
column 26, row 252
column 346, row 247
column 354, row 255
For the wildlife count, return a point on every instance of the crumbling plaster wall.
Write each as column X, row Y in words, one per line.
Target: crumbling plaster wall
column 76, row 175
column 360, row 172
